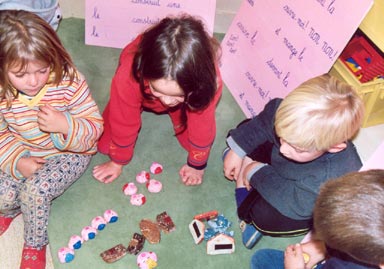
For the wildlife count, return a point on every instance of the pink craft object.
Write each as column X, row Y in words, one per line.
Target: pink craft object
column 65, row 255
column 156, row 168
column 75, row 242
column 98, row 223
column 138, row 199
column 143, row 177
column 154, row 186
column 88, row 233
column 129, row 188
column 147, row 260
column 110, row 216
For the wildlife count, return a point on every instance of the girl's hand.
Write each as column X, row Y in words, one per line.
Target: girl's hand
column 191, row 176
column 232, row 165
column 107, row 172
column 51, row 120
column 293, row 257
column 27, row 166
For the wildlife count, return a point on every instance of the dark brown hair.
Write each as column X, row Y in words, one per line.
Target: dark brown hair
column 349, row 215
column 180, row 49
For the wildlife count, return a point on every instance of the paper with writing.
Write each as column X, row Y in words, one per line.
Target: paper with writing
column 273, row 46
column 115, row 23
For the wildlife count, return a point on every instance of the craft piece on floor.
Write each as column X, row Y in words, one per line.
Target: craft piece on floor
column 65, row 255
column 143, row 177
column 156, row 168
column 154, row 186
column 138, row 199
column 88, row 233
column 129, row 188
column 221, row 244
column 197, row 227
column 136, row 244
column 150, row 230
column 98, row 223
column 110, row 216
column 207, row 215
column 216, row 226
column 75, row 242
column 165, row 222
column 113, row 254
column 147, row 260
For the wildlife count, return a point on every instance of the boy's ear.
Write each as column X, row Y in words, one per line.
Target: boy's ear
column 338, row 147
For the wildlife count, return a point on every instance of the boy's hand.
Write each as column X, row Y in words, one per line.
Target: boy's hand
column 51, row 120
column 316, row 251
column 293, row 257
column 191, row 176
column 27, row 166
column 232, row 165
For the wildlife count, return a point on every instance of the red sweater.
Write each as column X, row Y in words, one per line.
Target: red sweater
column 122, row 117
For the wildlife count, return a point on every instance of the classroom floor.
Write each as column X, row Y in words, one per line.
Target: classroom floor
column 88, row 198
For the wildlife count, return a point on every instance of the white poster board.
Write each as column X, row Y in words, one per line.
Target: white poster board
column 115, row 23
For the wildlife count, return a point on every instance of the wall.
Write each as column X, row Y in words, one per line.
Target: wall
column 225, row 11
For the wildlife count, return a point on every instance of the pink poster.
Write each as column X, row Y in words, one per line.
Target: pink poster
column 115, row 23
column 273, row 46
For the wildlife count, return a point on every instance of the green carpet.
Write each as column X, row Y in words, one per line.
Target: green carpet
column 88, row 198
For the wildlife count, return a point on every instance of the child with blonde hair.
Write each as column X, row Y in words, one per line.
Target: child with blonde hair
column 49, row 126
column 281, row 157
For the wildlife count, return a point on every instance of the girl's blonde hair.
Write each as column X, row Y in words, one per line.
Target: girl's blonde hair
column 25, row 37
column 319, row 114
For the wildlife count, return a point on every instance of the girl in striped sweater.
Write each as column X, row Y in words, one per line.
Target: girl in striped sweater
column 49, row 126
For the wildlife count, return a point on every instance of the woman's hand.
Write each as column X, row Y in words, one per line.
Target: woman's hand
column 191, row 176
column 51, row 120
column 107, row 172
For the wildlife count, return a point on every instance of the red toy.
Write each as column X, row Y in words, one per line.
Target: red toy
column 207, row 215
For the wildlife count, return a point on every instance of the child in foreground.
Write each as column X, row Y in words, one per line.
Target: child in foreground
column 49, row 125
column 169, row 69
column 348, row 228
column 281, row 157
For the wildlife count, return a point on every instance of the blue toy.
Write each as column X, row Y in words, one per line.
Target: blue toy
column 218, row 225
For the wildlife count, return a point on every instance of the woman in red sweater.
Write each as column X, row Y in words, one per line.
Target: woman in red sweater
column 171, row 68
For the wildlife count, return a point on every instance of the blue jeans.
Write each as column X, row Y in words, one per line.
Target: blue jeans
column 270, row 259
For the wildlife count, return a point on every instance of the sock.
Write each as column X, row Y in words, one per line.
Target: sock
column 240, row 195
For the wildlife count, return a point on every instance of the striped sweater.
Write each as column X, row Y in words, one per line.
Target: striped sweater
column 20, row 134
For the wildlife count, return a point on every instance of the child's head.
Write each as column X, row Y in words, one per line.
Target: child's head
column 319, row 114
column 26, row 40
column 349, row 215
column 179, row 49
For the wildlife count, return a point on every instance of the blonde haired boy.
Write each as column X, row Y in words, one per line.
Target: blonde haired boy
column 281, row 157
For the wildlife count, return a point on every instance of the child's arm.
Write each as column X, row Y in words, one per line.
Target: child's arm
column 85, row 123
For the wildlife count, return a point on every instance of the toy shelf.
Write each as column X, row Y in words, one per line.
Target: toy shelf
column 372, row 92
